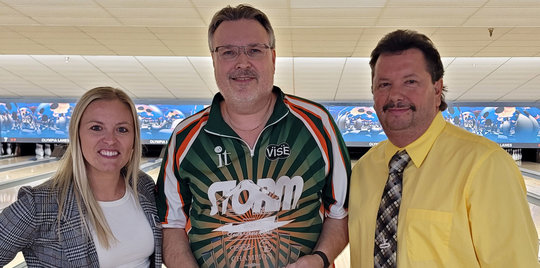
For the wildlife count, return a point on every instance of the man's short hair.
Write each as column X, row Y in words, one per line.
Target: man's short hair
column 239, row 12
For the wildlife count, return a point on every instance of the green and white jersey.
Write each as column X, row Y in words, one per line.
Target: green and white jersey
column 259, row 207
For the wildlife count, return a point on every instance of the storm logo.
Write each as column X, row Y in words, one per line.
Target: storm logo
column 281, row 151
column 265, row 196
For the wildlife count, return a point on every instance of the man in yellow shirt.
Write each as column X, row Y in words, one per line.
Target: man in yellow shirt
column 461, row 198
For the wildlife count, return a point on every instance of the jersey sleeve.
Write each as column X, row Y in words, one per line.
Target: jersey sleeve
column 336, row 191
column 173, row 198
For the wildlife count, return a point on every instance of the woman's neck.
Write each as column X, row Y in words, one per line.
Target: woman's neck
column 107, row 187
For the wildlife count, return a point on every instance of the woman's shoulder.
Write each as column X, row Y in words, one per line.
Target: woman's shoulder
column 42, row 198
column 144, row 178
column 44, row 190
column 145, row 184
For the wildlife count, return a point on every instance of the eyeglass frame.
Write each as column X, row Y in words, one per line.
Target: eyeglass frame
column 241, row 48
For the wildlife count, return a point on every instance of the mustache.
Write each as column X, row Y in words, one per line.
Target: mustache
column 243, row 73
column 392, row 104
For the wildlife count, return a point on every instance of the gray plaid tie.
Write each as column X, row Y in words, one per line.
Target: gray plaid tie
column 387, row 217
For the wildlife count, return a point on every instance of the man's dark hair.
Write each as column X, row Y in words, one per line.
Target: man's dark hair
column 400, row 40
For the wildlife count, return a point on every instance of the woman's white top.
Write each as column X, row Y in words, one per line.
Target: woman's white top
column 135, row 240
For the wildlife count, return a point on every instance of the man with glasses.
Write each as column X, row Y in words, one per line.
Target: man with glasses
column 259, row 178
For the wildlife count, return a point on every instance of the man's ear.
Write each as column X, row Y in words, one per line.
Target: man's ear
column 438, row 87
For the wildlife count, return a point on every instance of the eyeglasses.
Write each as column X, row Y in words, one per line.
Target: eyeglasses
column 230, row 52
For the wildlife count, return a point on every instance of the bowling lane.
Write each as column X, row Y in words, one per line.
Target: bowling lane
column 531, row 176
column 533, row 189
column 17, row 262
column 13, row 160
column 535, row 213
column 29, row 171
column 43, row 168
column 31, row 162
column 153, row 173
column 8, row 194
column 530, row 166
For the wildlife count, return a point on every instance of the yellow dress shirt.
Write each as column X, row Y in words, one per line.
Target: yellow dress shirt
column 463, row 203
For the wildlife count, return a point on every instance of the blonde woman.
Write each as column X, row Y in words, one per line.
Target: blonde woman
column 98, row 210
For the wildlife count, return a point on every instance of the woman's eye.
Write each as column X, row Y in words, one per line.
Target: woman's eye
column 96, row 128
column 123, row 130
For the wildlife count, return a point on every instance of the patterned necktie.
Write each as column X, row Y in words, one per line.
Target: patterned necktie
column 387, row 217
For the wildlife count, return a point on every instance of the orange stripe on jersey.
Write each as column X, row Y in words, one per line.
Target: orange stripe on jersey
column 189, row 137
column 166, row 213
column 340, row 152
column 188, row 225
column 166, row 203
column 317, row 132
column 331, row 125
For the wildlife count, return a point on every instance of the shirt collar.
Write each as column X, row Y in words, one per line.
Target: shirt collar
column 419, row 148
column 216, row 123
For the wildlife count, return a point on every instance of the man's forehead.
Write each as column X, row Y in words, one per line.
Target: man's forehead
column 241, row 31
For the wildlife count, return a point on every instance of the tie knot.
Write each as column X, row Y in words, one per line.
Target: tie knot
column 399, row 161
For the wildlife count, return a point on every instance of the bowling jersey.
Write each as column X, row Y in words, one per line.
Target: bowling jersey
column 262, row 206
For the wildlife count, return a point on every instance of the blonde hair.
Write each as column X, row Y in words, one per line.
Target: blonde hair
column 72, row 169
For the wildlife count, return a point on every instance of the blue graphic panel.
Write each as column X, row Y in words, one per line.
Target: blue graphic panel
column 508, row 126
column 359, row 125
column 158, row 120
column 49, row 122
column 36, row 122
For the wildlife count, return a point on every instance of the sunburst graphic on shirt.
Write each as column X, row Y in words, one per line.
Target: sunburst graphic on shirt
column 253, row 241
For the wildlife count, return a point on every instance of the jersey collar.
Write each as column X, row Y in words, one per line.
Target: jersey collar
column 216, row 124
